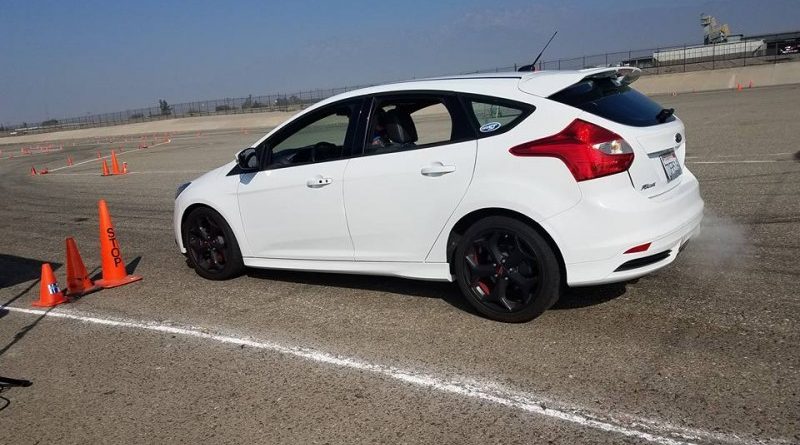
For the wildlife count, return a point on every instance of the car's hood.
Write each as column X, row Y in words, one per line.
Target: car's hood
column 547, row 83
column 213, row 174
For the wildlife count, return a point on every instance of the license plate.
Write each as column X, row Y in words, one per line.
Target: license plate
column 671, row 165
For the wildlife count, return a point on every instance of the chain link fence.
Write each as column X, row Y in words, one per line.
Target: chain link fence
column 767, row 49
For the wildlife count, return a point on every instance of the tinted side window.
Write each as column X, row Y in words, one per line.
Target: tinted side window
column 608, row 98
column 409, row 122
column 318, row 138
column 434, row 124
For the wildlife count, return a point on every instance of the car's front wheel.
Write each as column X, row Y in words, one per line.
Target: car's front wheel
column 211, row 247
column 506, row 270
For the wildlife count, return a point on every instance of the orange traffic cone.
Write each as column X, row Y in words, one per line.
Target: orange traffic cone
column 114, row 273
column 33, row 171
column 49, row 293
column 69, row 161
column 105, row 168
column 78, row 282
column 738, row 86
column 114, row 164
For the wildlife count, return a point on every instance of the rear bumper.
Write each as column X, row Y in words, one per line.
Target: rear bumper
column 612, row 217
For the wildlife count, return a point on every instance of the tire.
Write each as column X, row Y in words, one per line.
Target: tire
column 506, row 270
column 211, row 247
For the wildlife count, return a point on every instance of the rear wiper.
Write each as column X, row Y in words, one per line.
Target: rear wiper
column 664, row 114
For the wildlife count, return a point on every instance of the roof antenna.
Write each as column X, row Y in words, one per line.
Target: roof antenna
column 532, row 66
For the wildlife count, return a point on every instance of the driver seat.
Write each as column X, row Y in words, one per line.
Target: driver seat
column 400, row 128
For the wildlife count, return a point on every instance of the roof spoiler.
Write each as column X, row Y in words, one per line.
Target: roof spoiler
column 626, row 75
column 547, row 83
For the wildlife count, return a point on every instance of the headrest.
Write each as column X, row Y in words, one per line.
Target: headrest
column 400, row 127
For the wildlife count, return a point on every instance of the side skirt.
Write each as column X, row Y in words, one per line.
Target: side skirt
column 419, row 271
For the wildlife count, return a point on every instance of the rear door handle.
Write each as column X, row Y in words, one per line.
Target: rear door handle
column 319, row 181
column 437, row 169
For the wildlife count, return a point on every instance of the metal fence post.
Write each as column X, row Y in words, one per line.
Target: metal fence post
column 713, row 56
column 775, row 57
column 684, row 58
column 744, row 59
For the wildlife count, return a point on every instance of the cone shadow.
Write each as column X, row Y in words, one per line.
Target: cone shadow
column 131, row 267
column 15, row 270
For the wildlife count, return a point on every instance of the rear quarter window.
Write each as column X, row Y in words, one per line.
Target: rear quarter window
column 493, row 116
column 607, row 98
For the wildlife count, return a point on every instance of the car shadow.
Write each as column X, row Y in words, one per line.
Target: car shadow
column 448, row 292
column 571, row 298
column 578, row 297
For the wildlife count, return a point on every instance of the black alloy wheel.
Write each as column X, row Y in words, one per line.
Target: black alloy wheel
column 506, row 270
column 211, row 248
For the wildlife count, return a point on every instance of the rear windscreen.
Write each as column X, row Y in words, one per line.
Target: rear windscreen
column 607, row 98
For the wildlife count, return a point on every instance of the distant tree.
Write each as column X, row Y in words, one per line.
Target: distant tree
column 2, row 128
column 50, row 123
column 24, row 125
column 166, row 109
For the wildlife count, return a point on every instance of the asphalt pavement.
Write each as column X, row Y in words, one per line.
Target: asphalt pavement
column 704, row 351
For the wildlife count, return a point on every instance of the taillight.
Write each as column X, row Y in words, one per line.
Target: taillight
column 588, row 150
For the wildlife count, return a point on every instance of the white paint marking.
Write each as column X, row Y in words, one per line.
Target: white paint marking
column 137, row 150
column 741, row 155
column 731, row 162
column 135, row 173
column 644, row 429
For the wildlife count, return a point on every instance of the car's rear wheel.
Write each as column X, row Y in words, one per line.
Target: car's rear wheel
column 211, row 247
column 506, row 270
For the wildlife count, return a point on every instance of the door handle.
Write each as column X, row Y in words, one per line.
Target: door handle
column 437, row 169
column 319, row 181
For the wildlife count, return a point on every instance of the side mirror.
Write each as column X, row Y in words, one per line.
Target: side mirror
column 247, row 160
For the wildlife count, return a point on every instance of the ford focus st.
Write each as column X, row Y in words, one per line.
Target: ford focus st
column 512, row 185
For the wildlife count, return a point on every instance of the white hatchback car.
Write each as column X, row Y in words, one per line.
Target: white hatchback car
column 513, row 185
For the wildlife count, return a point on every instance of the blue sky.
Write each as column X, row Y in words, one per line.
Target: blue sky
column 68, row 58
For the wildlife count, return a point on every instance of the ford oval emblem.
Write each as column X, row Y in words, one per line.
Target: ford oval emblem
column 490, row 127
column 678, row 138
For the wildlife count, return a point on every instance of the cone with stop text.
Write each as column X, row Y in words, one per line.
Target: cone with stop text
column 115, row 164
column 105, row 168
column 114, row 273
column 49, row 293
column 78, row 281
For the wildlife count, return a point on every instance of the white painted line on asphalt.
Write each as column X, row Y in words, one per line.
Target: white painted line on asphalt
column 733, row 162
column 135, row 173
column 644, row 429
column 741, row 155
column 137, row 150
